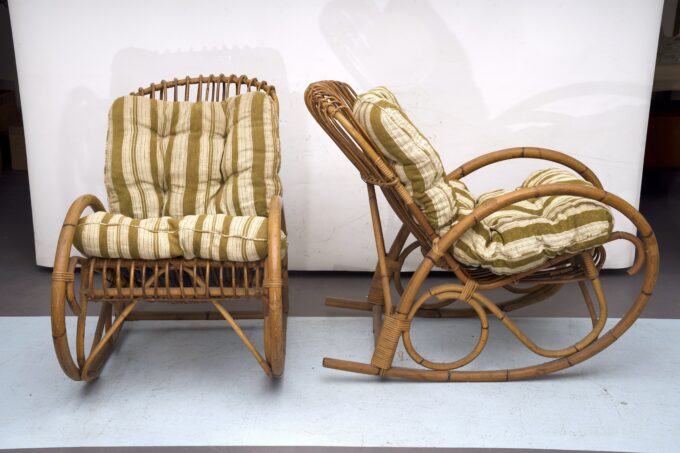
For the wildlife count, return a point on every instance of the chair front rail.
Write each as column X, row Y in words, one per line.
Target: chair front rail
column 171, row 279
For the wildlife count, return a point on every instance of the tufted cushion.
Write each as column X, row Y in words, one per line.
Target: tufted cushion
column 117, row 236
column 192, row 141
column 225, row 238
column 167, row 158
column 252, row 156
column 133, row 170
column 415, row 161
column 526, row 234
column 517, row 238
column 212, row 236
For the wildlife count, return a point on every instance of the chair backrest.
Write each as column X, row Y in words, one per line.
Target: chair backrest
column 331, row 103
column 197, row 145
column 205, row 88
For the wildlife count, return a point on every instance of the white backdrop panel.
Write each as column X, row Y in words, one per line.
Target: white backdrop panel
column 475, row 75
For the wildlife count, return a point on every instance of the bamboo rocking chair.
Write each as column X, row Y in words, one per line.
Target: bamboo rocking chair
column 331, row 103
column 118, row 284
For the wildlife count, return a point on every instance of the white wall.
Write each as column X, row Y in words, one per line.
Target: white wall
column 475, row 75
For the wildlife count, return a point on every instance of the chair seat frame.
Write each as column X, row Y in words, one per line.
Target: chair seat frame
column 331, row 102
column 118, row 285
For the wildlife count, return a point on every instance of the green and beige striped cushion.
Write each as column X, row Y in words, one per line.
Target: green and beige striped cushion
column 117, row 236
column 133, row 171
column 252, row 156
column 224, row 238
column 415, row 161
column 193, row 147
column 515, row 239
column 190, row 179
column 526, row 234
column 167, row 158
column 212, row 236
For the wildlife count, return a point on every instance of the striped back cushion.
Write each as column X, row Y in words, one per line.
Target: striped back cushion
column 415, row 161
column 167, row 158
column 134, row 157
column 252, row 155
column 193, row 147
column 528, row 233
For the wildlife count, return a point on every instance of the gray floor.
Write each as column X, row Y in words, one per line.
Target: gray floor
column 25, row 286
column 281, row 450
column 193, row 383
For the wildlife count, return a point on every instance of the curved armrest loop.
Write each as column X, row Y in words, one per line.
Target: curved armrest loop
column 529, row 153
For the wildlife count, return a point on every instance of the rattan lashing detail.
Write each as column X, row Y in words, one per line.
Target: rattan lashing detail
column 63, row 276
column 392, row 328
column 469, row 289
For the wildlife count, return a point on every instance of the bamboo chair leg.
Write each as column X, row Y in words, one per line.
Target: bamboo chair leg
column 84, row 368
column 377, row 322
column 375, row 296
column 589, row 302
column 375, row 292
column 99, row 354
column 276, row 300
column 225, row 314
column 275, row 325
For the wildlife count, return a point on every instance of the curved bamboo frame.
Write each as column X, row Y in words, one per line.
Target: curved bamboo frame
column 119, row 284
column 331, row 104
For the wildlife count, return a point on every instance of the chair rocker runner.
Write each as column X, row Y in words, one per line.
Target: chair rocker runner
column 195, row 217
column 360, row 126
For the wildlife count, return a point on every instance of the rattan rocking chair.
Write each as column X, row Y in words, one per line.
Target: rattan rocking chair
column 118, row 284
column 331, row 104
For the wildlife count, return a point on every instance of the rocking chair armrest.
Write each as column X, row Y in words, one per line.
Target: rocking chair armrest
column 650, row 246
column 275, row 224
column 68, row 229
column 81, row 204
column 530, row 153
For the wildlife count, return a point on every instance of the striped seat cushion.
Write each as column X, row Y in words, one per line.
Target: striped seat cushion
column 225, row 238
column 167, row 158
column 117, row 236
column 216, row 237
column 415, row 161
column 528, row 233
